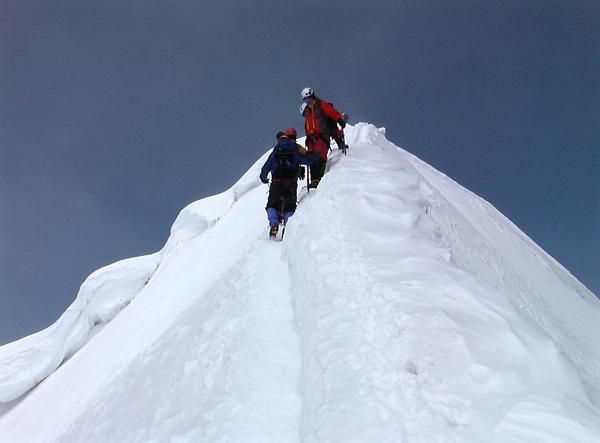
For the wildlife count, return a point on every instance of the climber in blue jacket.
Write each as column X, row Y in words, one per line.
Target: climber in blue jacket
column 284, row 165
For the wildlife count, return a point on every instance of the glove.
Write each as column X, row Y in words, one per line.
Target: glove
column 265, row 180
column 342, row 123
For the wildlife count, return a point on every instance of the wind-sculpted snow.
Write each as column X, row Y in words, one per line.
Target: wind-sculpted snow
column 502, row 257
column 399, row 307
column 487, row 245
column 107, row 291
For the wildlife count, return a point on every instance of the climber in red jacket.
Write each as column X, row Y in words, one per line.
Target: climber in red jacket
column 321, row 120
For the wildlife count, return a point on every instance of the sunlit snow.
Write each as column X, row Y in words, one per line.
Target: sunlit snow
column 399, row 307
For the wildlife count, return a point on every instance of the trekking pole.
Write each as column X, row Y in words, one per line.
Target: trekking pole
column 282, row 213
column 307, row 179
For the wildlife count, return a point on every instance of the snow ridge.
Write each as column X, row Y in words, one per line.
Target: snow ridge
column 400, row 307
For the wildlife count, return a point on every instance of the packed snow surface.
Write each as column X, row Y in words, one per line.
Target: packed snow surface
column 399, row 307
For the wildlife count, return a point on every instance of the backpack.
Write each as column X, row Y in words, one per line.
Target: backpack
column 327, row 125
column 286, row 165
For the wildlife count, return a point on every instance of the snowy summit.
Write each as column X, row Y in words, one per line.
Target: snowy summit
column 399, row 307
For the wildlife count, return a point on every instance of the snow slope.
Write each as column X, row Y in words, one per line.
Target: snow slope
column 400, row 307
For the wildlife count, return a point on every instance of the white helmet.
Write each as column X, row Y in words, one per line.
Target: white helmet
column 303, row 109
column 307, row 92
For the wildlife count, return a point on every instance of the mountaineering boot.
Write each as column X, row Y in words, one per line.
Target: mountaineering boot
column 313, row 184
column 273, row 231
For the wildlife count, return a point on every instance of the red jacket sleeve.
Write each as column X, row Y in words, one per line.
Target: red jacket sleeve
column 330, row 111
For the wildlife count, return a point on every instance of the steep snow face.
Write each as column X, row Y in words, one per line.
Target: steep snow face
column 102, row 296
column 399, row 307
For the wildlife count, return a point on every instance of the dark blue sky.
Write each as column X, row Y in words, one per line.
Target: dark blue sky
column 116, row 114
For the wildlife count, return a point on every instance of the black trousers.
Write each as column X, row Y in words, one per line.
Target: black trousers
column 317, row 169
column 285, row 189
